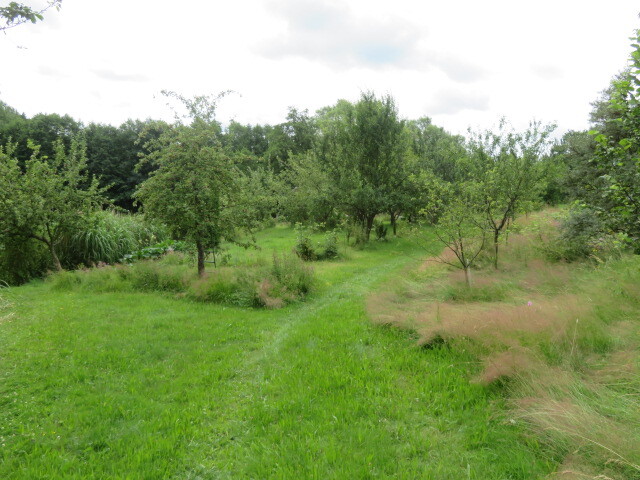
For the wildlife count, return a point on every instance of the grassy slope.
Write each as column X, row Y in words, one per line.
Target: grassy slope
column 147, row 386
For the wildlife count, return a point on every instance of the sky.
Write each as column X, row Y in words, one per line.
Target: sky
column 464, row 63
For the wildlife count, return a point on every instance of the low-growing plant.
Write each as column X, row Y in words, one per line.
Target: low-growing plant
column 108, row 237
column 330, row 246
column 304, row 245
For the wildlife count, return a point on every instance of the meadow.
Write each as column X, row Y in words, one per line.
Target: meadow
column 146, row 385
column 100, row 383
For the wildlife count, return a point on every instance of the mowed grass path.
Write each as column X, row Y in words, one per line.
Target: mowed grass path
column 146, row 386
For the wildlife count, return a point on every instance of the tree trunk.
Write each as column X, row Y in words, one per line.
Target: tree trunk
column 201, row 255
column 496, row 238
column 467, row 276
column 368, row 227
column 394, row 224
column 54, row 257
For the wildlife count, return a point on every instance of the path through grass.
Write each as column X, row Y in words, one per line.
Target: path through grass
column 148, row 386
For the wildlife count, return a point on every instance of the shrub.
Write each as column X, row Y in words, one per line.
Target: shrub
column 583, row 235
column 155, row 251
column 381, row 231
column 22, row 259
column 330, row 246
column 304, row 245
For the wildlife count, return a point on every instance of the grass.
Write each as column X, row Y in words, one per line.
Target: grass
column 146, row 385
column 561, row 342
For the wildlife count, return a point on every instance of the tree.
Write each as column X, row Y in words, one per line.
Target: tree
column 15, row 14
column 507, row 163
column 363, row 148
column 461, row 226
column 113, row 155
column 616, row 163
column 49, row 198
column 196, row 189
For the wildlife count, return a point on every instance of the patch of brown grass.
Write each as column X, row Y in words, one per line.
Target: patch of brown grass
column 583, row 405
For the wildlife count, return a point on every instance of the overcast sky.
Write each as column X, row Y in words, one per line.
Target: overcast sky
column 462, row 63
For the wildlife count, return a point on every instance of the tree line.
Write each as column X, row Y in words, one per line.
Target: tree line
column 342, row 167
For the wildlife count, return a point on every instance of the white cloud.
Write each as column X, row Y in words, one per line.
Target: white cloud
column 464, row 62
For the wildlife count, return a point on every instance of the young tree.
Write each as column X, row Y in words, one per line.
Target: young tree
column 507, row 165
column 196, row 189
column 461, row 226
column 49, row 198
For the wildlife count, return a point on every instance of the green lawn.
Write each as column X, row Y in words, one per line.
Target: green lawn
column 144, row 385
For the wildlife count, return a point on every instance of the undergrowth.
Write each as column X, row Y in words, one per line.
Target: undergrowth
column 285, row 280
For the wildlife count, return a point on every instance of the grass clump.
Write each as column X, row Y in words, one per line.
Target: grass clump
column 285, row 280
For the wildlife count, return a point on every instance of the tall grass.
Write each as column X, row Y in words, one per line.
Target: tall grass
column 107, row 238
column 561, row 340
column 286, row 280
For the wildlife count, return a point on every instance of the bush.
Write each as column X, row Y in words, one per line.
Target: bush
column 583, row 235
column 155, row 251
column 22, row 259
column 304, row 245
column 330, row 245
column 381, row 231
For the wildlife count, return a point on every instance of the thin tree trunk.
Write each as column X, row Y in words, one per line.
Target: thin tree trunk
column 368, row 227
column 54, row 257
column 467, row 276
column 201, row 255
column 394, row 223
column 496, row 238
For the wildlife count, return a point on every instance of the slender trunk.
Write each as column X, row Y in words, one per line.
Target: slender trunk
column 467, row 276
column 368, row 227
column 54, row 257
column 496, row 238
column 394, row 223
column 200, row 248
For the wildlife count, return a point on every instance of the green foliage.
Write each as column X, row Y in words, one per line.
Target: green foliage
column 584, row 235
column 156, row 251
column 49, row 199
column 309, row 250
column 363, row 149
column 196, row 189
column 616, row 162
column 330, row 245
column 108, row 237
column 292, row 275
column 507, row 168
column 15, row 14
column 304, row 245
column 381, row 231
column 22, row 259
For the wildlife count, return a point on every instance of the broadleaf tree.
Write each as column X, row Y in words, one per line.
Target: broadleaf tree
column 363, row 147
column 196, row 189
column 507, row 163
column 49, row 197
